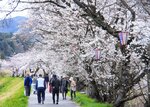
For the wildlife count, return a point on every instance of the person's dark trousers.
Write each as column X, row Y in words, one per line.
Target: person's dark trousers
column 57, row 95
column 27, row 90
column 41, row 94
column 73, row 94
column 64, row 93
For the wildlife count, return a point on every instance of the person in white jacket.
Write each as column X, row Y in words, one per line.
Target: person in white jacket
column 41, row 87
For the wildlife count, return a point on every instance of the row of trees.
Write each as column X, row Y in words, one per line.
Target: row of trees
column 10, row 44
column 69, row 32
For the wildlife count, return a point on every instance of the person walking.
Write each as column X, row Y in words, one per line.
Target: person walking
column 64, row 87
column 46, row 78
column 41, row 87
column 50, row 83
column 72, row 88
column 27, row 84
column 61, row 78
column 55, row 88
column 34, row 79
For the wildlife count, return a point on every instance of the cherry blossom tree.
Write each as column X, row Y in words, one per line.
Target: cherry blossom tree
column 68, row 33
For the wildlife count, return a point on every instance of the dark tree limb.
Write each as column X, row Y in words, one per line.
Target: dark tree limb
column 13, row 9
column 138, row 78
column 146, row 6
column 97, row 18
column 46, row 31
column 46, row 1
column 41, row 42
column 129, row 8
column 132, row 97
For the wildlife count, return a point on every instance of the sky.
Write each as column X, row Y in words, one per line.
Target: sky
column 4, row 6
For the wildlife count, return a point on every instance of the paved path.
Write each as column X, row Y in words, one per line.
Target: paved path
column 49, row 103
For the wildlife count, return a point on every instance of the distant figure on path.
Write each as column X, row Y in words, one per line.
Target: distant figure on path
column 34, row 79
column 50, row 84
column 64, row 87
column 46, row 77
column 13, row 73
column 55, row 88
column 41, row 87
column 27, row 84
column 72, row 88
column 61, row 78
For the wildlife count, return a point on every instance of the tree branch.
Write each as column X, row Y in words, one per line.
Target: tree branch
column 97, row 18
column 19, row 10
column 145, row 7
column 132, row 97
column 46, row 31
column 137, row 79
column 13, row 9
column 129, row 8
column 41, row 42
column 46, row 1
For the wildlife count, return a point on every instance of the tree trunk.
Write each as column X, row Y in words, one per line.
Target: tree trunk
column 95, row 90
column 148, row 83
column 118, row 102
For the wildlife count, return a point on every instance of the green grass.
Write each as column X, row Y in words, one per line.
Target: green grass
column 6, row 83
column 17, row 99
column 85, row 101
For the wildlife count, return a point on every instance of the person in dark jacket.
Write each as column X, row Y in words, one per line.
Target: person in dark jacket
column 55, row 88
column 41, row 87
column 27, row 84
column 64, row 87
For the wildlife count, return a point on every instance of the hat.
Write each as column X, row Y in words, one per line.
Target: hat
column 71, row 78
column 64, row 76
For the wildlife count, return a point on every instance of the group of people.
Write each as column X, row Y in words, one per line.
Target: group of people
column 55, row 85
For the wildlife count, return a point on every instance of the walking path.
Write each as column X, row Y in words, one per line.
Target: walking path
column 48, row 101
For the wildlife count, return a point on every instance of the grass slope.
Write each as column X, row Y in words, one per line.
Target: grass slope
column 11, row 92
column 85, row 101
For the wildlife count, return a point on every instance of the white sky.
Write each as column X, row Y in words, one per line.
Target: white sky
column 4, row 5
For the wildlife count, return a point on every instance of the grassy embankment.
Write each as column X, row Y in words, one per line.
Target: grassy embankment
column 84, row 101
column 11, row 92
